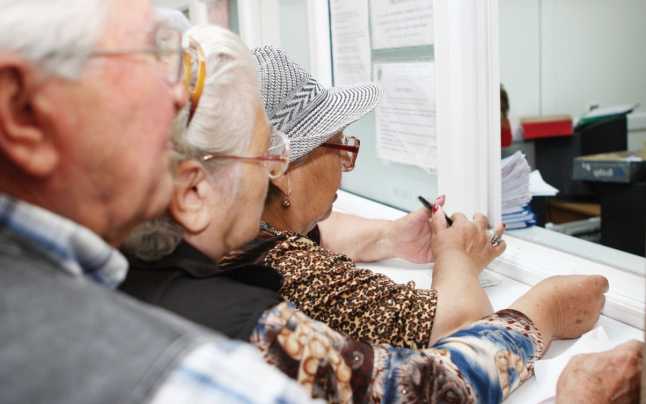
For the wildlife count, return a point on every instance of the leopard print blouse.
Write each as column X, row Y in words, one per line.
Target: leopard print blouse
column 328, row 287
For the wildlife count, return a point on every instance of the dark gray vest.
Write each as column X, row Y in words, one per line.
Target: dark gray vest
column 66, row 340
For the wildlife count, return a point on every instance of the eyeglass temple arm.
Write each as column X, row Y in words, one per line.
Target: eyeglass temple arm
column 344, row 147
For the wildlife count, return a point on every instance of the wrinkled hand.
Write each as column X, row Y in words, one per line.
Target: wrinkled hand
column 470, row 238
column 607, row 377
column 410, row 236
column 575, row 302
column 564, row 306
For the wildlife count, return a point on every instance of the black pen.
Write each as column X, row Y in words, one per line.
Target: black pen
column 495, row 239
column 431, row 207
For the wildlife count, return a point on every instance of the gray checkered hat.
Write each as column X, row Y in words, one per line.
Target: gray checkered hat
column 300, row 107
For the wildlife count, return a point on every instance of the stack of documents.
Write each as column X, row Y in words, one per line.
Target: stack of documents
column 519, row 185
column 516, row 195
column 519, row 219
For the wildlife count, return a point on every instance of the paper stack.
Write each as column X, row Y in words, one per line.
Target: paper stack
column 519, row 185
column 516, row 213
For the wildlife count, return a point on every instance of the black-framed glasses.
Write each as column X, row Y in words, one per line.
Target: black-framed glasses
column 276, row 159
column 348, row 147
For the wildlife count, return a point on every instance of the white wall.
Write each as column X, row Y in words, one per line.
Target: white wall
column 593, row 52
column 559, row 56
column 519, row 54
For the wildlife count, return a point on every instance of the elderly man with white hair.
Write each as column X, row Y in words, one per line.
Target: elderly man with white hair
column 88, row 91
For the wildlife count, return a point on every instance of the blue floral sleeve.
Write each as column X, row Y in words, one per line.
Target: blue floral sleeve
column 481, row 363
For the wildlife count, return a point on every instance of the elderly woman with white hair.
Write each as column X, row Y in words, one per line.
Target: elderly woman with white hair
column 217, row 204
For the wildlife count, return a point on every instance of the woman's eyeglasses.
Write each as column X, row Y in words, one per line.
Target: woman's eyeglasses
column 276, row 159
column 348, row 147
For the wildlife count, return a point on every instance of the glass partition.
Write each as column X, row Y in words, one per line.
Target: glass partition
column 577, row 65
column 398, row 148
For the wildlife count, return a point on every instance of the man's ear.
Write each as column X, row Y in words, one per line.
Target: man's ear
column 26, row 119
column 192, row 198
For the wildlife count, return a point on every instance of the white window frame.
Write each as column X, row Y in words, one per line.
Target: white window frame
column 468, row 104
column 468, row 127
column 258, row 22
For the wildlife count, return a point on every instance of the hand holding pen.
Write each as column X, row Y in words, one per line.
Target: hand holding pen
column 433, row 207
column 496, row 237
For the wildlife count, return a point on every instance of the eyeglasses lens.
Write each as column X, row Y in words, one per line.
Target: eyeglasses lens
column 168, row 43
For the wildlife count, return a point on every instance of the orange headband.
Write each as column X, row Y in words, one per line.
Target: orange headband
column 194, row 63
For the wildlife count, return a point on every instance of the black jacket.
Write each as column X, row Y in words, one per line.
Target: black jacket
column 229, row 299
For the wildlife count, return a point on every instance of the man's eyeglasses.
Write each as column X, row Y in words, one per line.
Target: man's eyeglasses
column 167, row 50
column 186, row 65
column 276, row 159
column 348, row 147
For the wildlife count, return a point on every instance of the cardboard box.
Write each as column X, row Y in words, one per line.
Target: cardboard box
column 618, row 167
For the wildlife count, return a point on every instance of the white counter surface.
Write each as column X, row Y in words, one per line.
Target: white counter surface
column 501, row 295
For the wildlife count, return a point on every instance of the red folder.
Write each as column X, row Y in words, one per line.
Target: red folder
column 546, row 126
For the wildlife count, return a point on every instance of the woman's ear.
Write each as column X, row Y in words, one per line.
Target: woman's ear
column 192, row 200
column 282, row 184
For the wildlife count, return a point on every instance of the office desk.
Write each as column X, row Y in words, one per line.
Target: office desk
column 559, row 211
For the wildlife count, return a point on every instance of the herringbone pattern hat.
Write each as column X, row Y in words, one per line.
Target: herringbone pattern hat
column 300, row 107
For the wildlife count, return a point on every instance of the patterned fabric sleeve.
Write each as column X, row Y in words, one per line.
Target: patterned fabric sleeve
column 482, row 363
column 357, row 302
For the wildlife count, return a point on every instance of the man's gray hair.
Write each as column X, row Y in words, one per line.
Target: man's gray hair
column 57, row 35
column 223, row 124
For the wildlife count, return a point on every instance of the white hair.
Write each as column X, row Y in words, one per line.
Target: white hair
column 225, row 113
column 57, row 35
column 223, row 124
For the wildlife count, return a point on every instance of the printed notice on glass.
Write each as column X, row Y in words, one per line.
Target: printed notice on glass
column 351, row 42
column 401, row 23
column 406, row 129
